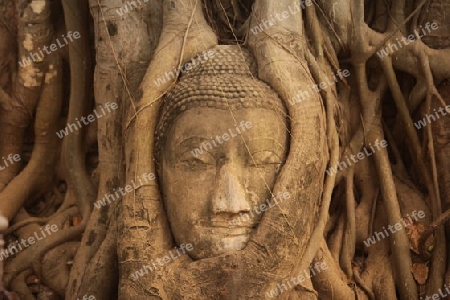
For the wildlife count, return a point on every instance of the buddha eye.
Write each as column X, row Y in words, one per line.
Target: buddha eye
column 196, row 163
column 264, row 159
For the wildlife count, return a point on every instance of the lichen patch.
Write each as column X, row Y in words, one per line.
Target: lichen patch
column 37, row 6
column 30, row 76
column 50, row 74
column 28, row 42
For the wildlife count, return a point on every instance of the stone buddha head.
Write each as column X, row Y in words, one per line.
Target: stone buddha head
column 221, row 140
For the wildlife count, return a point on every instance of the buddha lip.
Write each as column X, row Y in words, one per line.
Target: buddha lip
column 240, row 229
column 227, row 225
column 237, row 231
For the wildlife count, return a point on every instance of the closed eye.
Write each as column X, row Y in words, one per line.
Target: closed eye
column 194, row 160
column 264, row 158
column 198, row 162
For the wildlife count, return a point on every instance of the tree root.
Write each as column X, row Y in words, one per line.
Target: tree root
column 17, row 110
column 349, row 240
column 362, row 284
column 20, row 286
column 332, row 283
column 282, row 62
column 43, row 157
column 55, row 271
column 3, row 226
column 183, row 23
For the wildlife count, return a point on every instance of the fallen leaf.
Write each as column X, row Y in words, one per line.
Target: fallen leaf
column 420, row 272
column 414, row 232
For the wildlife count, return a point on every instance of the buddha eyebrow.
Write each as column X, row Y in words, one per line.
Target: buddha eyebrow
column 276, row 143
column 192, row 139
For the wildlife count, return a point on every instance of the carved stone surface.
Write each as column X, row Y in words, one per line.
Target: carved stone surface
column 225, row 136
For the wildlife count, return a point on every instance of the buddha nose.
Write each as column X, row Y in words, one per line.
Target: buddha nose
column 229, row 194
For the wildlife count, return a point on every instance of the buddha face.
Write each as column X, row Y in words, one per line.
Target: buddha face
column 213, row 174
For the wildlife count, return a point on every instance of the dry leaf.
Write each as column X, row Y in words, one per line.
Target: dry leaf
column 420, row 272
column 414, row 232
